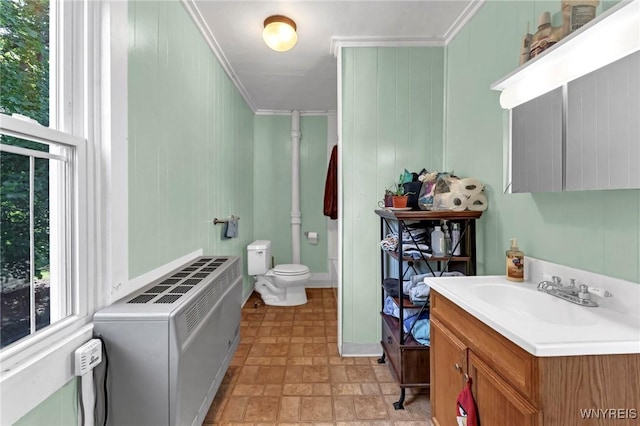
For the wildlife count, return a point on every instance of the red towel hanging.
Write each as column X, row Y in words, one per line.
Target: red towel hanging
column 466, row 410
column 331, row 186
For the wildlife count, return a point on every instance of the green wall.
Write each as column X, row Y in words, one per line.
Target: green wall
column 597, row 231
column 272, row 186
column 392, row 118
column 190, row 142
column 60, row 409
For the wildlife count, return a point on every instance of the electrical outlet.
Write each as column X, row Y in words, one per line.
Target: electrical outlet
column 88, row 356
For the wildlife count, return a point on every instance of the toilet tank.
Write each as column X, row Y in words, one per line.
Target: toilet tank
column 258, row 257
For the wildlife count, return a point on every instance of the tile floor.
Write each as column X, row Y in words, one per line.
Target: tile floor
column 287, row 371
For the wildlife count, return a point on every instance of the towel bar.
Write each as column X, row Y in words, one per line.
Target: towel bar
column 217, row 221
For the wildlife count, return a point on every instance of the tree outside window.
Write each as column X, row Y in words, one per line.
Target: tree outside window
column 24, row 90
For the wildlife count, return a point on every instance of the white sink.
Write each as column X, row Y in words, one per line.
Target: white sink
column 530, row 304
column 545, row 325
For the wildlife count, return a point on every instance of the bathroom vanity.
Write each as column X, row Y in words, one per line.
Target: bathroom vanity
column 534, row 359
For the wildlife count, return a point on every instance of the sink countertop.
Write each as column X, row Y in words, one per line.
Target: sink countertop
column 545, row 325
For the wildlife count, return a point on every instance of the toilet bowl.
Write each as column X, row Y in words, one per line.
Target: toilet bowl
column 282, row 285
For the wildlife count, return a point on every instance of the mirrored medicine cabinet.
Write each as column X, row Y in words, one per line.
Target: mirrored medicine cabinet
column 581, row 131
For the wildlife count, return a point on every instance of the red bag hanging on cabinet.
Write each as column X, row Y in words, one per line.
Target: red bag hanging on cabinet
column 466, row 411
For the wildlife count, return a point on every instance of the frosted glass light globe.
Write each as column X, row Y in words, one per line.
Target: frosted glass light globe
column 279, row 33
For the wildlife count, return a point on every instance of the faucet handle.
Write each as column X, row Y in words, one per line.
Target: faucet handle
column 585, row 289
column 553, row 278
column 599, row 292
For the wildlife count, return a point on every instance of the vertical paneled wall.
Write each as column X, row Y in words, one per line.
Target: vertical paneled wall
column 190, row 142
column 272, row 186
column 392, row 119
column 597, row 231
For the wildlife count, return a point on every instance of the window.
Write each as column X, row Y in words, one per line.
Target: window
column 43, row 157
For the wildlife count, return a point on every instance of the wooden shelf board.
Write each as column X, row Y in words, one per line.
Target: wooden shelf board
column 427, row 214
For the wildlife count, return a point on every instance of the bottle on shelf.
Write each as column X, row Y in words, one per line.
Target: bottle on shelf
column 437, row 242
column 576, row 13
column 545, row 37
column 525, row 48
column 447, row 238
column 455, row 239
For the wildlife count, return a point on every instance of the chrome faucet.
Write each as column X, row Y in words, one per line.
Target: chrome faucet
column 580, row 295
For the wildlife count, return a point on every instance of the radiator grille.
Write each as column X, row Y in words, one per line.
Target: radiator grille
column 170, row 289
column 143, row 298
column 203, row 305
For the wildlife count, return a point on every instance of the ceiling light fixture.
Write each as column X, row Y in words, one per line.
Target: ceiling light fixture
column 279, row 33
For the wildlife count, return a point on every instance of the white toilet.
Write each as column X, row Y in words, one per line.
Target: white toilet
column 281, row 286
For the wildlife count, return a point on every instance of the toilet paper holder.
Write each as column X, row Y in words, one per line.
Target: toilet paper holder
column 311, row 236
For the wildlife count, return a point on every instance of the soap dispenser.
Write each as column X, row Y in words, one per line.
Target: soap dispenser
column 515, row 262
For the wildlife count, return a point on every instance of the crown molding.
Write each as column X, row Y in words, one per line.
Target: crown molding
column 472, row 8
column 204, row 29
column 338, row 42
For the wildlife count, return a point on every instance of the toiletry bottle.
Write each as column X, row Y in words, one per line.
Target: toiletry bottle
column 455, row 239
column 542, row 39
column 447, row 239
column 525, row 48
column 576, row 13
column 437, row 242
column 515, row 262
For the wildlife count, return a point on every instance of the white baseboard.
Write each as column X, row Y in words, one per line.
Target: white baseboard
column 319, row 280
column 361, row 349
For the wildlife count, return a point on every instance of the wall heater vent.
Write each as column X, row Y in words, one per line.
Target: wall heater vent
column 170, row 343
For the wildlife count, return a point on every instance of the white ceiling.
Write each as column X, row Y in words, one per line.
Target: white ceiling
column 305, row 78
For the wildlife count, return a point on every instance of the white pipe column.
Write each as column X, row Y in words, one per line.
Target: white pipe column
column 296, row 220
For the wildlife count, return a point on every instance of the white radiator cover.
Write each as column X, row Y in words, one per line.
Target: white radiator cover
column 170, row 343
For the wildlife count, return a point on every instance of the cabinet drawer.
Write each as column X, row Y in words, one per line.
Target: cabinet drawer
column 409, row 362
column 390, row 345
column 515, row 365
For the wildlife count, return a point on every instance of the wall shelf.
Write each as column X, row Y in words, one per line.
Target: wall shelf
column 609, row 37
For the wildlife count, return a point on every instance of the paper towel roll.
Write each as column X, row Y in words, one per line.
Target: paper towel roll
column 477, row 202
column 467, row 186
column 452, row 201
column 312, row 237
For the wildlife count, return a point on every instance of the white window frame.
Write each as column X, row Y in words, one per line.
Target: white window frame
column 40, row 364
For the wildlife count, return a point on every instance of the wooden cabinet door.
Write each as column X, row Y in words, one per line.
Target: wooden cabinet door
column 448, row 365
column 498, row 403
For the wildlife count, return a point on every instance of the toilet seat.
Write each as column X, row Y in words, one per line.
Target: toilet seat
column 290, row 269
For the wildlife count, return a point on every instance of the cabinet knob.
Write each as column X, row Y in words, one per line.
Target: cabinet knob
column 457, row 367
column 389, row 340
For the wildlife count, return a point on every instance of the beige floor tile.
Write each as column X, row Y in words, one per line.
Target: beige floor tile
column 297, row 389
column 262, row 409
column 293, row 374
column 289, row 409
column 321, row 388
column 272, row 390
column 370, row 407
column 315, row 373
column 270, row 374
column 316, row 408
column 346, row 389
column 370, row 388
column 343, row 408
column 248, row 374
column 234, row 409
column 315, row 349
column 247, row 390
